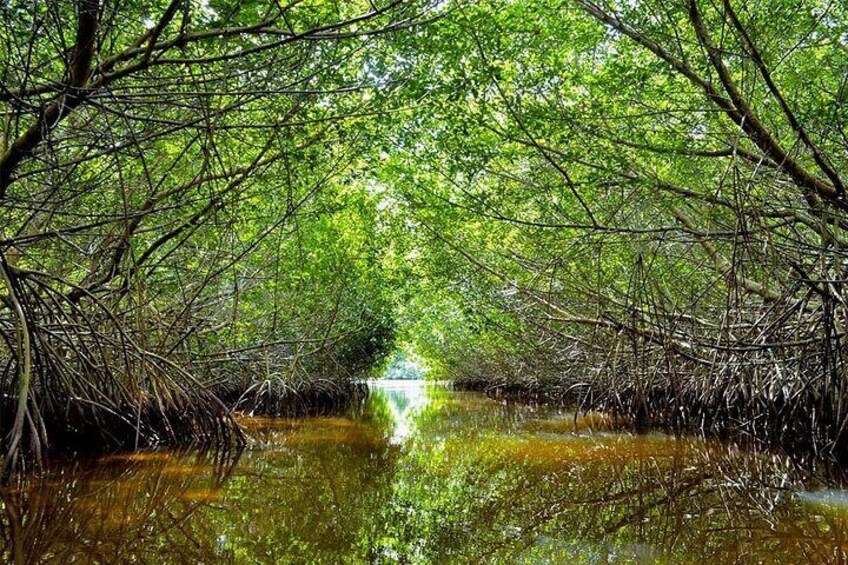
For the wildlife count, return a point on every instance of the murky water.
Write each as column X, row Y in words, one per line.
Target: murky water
column 425, row 475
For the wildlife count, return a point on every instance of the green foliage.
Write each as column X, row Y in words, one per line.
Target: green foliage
column 281, row 193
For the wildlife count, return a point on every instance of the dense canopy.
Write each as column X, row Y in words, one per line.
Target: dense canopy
column 221, row 206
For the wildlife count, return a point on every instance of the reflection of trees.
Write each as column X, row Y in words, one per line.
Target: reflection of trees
column 313, row 499
column 524, row 497
column 481, row 482
column 139, row 508
column 308, row 496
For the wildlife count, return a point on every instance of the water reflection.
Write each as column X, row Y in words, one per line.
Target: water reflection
column 425, row 475
column 403, row 398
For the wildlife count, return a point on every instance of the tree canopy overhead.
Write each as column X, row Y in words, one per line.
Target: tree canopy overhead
column 220, row 204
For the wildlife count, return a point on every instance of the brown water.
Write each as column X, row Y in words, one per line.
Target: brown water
column 424, row 475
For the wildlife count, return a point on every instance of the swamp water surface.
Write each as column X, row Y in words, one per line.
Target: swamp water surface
column 420, row 474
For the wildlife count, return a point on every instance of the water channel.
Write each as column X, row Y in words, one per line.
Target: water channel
column 423, row 474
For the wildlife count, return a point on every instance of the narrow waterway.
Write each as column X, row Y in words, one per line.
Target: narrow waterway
column 420, row 474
